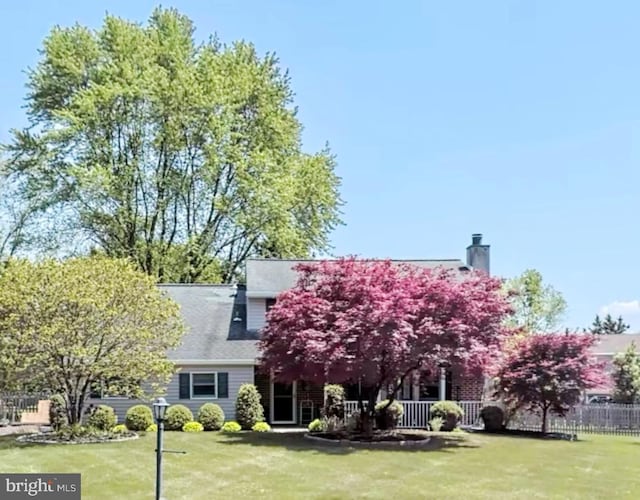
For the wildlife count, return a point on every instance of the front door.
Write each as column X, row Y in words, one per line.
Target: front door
column 283, row 403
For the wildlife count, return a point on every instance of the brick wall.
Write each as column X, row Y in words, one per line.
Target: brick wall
column 467, row 387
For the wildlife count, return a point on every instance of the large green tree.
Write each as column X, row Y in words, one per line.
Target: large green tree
column 538, row 307
column 626, row 376
column 184, row 157
column 69, row 326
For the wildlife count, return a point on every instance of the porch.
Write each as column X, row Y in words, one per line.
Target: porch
column 289, row 404
column 416, row 413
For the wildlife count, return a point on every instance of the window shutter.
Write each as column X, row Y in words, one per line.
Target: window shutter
column 185, row 386
column 223, row 385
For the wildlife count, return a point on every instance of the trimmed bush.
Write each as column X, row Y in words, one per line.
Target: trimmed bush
column 152, row 428
column 493, row 418
column 102, row 418
column 448, row 411
column 261, row 427
column 334, row 401
column 211, row 416
column 389, row 417
column 231, row 426
column 176, row 416
column 138, row 418
column 192, row 427
column 435, row 424
column 120, row 428
column 57, row 412
column 354, row 422
column 315, row 426
column 249, row 411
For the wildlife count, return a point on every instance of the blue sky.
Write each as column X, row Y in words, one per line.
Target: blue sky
column 519, row 120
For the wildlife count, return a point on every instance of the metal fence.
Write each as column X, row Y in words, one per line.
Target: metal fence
column 612, row 419
column 13, row 405
column 615, row 419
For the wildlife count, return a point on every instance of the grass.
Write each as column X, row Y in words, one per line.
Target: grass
column 285, row 466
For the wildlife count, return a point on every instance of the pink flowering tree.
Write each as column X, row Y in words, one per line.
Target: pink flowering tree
column 374, row 322
column 548, row 373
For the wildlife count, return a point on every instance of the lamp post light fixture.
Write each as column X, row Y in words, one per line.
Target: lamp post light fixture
column 160, row 406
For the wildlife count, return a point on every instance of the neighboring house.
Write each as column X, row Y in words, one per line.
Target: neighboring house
column 219, row 351
column 605, row 350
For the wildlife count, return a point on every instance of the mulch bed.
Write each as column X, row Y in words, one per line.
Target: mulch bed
column 387, row 438
column 53, row 438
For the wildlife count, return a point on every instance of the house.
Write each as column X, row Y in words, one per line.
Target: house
column 605, row 350
column 219, row 351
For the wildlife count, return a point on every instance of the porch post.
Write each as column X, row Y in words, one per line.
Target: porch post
column 442, row 390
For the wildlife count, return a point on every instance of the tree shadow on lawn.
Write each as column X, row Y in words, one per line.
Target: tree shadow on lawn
column 8, row 442
column 295, row 441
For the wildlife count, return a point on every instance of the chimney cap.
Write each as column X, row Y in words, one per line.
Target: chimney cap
column 476, row 239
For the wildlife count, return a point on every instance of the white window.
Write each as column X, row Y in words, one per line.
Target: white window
column 204, row 385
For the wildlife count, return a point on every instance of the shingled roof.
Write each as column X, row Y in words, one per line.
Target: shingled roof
column 613, row 344
column 216, row 321
column 269, row 277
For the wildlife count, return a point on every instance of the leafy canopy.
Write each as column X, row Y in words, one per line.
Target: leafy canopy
column 184, row 157
column 68, row 326
column 545, row 373
column 538, row 308
column 373, row 322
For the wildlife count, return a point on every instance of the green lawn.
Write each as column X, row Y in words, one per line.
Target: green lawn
column 287, row 466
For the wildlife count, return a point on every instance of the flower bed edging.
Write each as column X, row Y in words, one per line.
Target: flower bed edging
column 37, row 438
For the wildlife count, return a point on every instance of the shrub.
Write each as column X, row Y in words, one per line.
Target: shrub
column 192, row 427
column 332, row 424
column 176, row 416
column 316, row 426
column 435, row 424
column 231, row 426
column 211, row 416
column 138, row 418
column 261, row 427
column 334, row 401
column 248, row 408
column 493, row 418
column 388, row 417
column 74, row 431
column 57, row 412
column 120, row 428
column 354, row 422
column 152, row 428
column 102, row 418
column 449, row 412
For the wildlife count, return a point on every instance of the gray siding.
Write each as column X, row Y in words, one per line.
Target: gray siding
column 238, row 375
column 256, row 313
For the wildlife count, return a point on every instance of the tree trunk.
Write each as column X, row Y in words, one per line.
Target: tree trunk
column 545, row 411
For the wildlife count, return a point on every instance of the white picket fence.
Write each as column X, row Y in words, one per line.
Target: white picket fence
column 588, row 418
column 416, row 413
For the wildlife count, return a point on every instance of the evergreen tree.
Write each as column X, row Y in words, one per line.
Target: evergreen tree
column 626, row 376
column 608, row 326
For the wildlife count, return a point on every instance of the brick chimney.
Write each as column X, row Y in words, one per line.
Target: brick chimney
column 478, row 254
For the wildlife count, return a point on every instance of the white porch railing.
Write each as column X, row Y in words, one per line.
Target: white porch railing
column 416, row 413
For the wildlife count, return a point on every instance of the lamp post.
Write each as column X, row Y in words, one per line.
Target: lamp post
column 160, row 406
